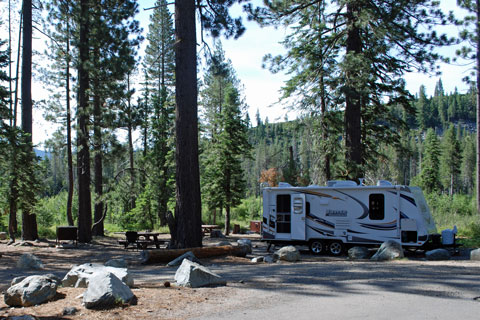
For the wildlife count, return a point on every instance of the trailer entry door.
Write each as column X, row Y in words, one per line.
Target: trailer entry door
column 298, row 216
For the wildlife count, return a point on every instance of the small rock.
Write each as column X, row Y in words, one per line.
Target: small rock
column 69, row 311
column 116, row 263
column 29, row 261
column 270, row 258
column 3, row 236
column 258, row 259
column 356, row 253
column 178, row 261
column 245, row 242
column 475, row 254
column 437, row 254
column 389, row 250
column 288, row 253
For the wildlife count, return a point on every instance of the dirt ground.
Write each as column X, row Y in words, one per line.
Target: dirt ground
column 248, row 285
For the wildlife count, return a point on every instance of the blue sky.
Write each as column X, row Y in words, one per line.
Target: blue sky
column 262, row 87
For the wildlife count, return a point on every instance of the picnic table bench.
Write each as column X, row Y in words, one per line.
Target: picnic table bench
column 207, row 228
column 141, row 240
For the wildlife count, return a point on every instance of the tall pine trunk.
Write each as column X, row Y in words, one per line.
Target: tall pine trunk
column 97, row 162
column 29, row 220
column 188, row 208
column 130, row 146
column 353, row 130
column 69, row 134
column 83, row 154
column 478, row 102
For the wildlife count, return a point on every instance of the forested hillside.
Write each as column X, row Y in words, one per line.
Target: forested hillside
column 158, row 136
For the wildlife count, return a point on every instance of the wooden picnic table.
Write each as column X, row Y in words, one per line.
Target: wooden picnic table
column 142, row 239
column 207, row 228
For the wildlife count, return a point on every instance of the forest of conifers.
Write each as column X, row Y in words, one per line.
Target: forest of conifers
column 124, row 154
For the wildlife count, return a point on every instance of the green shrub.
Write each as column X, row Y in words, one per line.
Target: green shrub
column 47, row 232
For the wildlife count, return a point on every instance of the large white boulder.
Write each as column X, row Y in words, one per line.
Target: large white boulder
column 79, row 276
column 105, row 290
column 31, row 291
column 288, row 253
column 389, row 250
column 191, row 274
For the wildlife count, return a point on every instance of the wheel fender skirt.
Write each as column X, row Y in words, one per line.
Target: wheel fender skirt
column 266, row 235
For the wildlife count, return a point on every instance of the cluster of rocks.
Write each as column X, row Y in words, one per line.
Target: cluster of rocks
column 106, row 285
column 287, row 253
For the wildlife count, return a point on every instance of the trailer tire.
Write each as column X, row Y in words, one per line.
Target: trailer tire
column 317, row 246
column 335, row 248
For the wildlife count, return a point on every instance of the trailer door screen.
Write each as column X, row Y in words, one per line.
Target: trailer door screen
column 283, row 213
column 376, row 204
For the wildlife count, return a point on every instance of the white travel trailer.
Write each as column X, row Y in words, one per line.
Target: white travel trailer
column 343, row 214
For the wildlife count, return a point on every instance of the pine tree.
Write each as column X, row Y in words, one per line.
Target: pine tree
column 450, row 160
column 216, row 19
column 430, row 174
column 83, row 134
column 471, row 34
column 468, row 164
column 59, row 75
column 160, row 71
column 224, row 183
column 376, row 43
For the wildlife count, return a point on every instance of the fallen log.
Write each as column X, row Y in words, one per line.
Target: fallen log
column 167, row 255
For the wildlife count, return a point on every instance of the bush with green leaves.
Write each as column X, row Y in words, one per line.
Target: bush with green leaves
column 52, row 211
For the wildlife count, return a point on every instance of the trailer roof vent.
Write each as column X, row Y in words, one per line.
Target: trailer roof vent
column 284, row 185
column 381, row 183
column 341, row 183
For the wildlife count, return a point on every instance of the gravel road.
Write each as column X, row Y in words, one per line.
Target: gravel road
column 314, row 288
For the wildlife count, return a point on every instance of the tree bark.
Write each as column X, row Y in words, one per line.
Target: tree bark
column 130, row 146
column 83, row 154
column 69, row 134
column 29, row 220
column 478, row 102
column 188, row 207
column 98, row 163
column 353, row 130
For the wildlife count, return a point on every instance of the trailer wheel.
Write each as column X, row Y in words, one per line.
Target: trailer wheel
column 335, row 248
column 317, row 247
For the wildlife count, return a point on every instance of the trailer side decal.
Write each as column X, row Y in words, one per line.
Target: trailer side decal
column 322, row 231
column 364, row 207
column 384, row 226
column 320, row 221
column 409, row 199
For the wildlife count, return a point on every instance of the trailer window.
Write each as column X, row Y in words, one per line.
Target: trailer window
column 283, row 213
column 376, row 206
